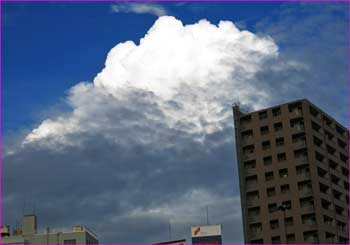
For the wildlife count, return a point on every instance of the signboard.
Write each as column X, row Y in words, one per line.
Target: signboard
column 206, row 234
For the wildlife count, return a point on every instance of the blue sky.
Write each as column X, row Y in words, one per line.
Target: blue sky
column 49, row 47
column 131, row 135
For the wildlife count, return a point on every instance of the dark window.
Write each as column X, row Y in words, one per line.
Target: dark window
column 255, row 228
column 285, row 189
column 307, row 202
column 280, row 141
column 283, row 173
column 325, row 204
column 276, row 111
column 346, row 185
column 335, row 179
column 345, row 171
column 314, row 112
column 295, row 108
column 327, row 121
column 287, row 204
column 272, row 207
column 271, row 191
column 339, row 130
column 336, row 194
column 264, row 130
column 246, row 119
column 275, row 240
column 342, row 144
column 263, row 115
column 319, row 157
column 269, row 176
column 309, row 219
column 339, row 210
column 327, row 220
column 278, row 126
column 315, row 127
column 329, row 135
column 289, row 221
column 281, row 157
column 330, row 150
column 266, row 145
column 297, row 124
column 321, row 172
column 324, row 188
column 250, row 164
column 343, row 157
column 70, row 241
column 274, row 224
column 248, row 149
column 290, row 238
column 247, row 135
column 332, row 164
column 257, row 241
column 310, row 236
column 317, row 141
column 267, row 160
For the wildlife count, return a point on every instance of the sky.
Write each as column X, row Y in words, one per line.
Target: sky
column 118, row 115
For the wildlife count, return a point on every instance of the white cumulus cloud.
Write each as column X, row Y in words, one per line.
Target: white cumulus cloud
column 192, row 73
column 139, row 8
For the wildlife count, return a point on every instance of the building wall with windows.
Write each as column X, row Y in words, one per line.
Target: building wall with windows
column 293, row 169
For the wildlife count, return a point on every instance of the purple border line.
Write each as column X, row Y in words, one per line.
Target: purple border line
column 151, row 1
column 155, row 1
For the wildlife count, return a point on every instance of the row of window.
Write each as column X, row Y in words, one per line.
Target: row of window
column 309, row 237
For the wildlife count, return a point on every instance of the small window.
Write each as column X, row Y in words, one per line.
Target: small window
column 339, row 210
column 267, row 160
column 343, row 157
column 70, row 241
column 263, row 115
column 278, row 126
column 341, row 144
column 264, row 130
column 290, row 238
column 257, row 241
column 317, row 141
column 314, row 112
column 327, row 220
column 309, row 219
column 287, row 204
column 248, row 134
column 285, row 189
column 269, row 176
column 281, row 157
column 272, row 207
column 335, row 179
column 332, row 164
column 266, row 145
column 283, row 173
column 274, row 224
column 276, row 111
column 250, row 164
column 339, row 130
column 270, row 191
column 246, row 119
column 346, row 185
column 280, row 141
column 248, row 149
column 255, row 228
column 276, row 240
column 289, row 221
column 330, row 150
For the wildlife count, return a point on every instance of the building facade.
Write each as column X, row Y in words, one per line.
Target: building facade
column 28, row 234
column 293, row 163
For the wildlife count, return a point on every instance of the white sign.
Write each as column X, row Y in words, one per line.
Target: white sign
column 206, row 230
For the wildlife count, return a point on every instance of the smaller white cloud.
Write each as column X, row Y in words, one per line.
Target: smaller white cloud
column 139, row 8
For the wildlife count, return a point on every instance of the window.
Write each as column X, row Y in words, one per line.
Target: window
column 346, row 185
column 253, row 212
column 303, row 170
column 339, row 130
column 281, row 157
column 248, row 149
column 269, row 176
column 262, row 115
column 289, row 221
column 319, row 157
column 301, row 155
column 345, row 172
column 343, row 157
column 343, row 240
column 336, row 194
column 278, row 126
column 341, row 144
column 314, row 112
column 321, row 172
column 285, row 189
column 324, row 188
column 247, row 135
column 305, row 187
column 317, row 141
column 297, row 124
column 250, row 164
column 274, row 224
column 283, row 173
column 315, row 127
column 267, row 160
column 327, row 220
column 330, row 150
column 272, row 207
column 309, row 219
column 329, row 135
column 264, row 130
column 70, row 241
column 275, row 240
column 255, row 228
column 276, row 111
column 287, row 204
column 334, row 179
column 325, row 204
column 310, row 236
column 290, row 238
column 341, row 226
column 332, row 164
column 246, row 119
column 280, row 141
column 327, row 121
column 339, row 210
column 266, row 145
column 330, row 238
column 252, row 197
column 257, row 241
column 299, row 139
column 307, row 202
column 295, row 108
column 251, row 181
column 270, row 191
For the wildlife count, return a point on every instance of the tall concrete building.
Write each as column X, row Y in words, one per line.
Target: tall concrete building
column 294, row 174
column 28, row 234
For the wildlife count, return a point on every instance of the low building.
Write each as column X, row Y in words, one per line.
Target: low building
column 28, row 234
